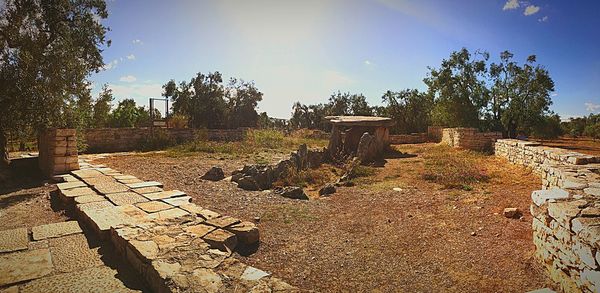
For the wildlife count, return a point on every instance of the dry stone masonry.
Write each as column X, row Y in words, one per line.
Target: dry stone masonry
column 566, row 212
column 175, row 245
column 470, row 138
column 58, row 151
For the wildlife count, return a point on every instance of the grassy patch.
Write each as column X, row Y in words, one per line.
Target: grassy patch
column 289, row 214
column 453, row 169
column 312, row 177
column 256, row 141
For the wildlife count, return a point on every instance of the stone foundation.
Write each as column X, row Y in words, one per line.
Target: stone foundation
column 470, row 138
column 57, row 151
column 566, row 211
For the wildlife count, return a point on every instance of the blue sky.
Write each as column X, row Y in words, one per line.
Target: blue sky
column 305, row 50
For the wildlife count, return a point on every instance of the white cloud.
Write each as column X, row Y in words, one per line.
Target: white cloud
column 128, row 78
column 543, row 19
column 130, row 57
column 138, row 91
column 367, row 62
column 511, row 4
column 591, row 107
column 137, row 42
column 554, row 94
column 111, row 64
column 531, row 9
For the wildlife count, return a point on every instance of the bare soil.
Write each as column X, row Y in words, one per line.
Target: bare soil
column 585, row 145
column 370, row 237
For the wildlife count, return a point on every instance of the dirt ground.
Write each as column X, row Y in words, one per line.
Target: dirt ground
column 583, row 145
column 370, row 237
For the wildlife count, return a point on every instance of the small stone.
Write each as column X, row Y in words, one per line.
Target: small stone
column 473, row 233
column 214, row 174
column 221, row 239
column 398, row 189
column 292, row 192
column 246, row 232
column 512, row 213
column 253, row 274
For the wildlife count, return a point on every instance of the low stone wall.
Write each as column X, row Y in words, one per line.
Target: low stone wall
column 409, row 138
column 566, row 212
column 469, row 138
column 434, row 133
column 57, row 151
column 128, row 139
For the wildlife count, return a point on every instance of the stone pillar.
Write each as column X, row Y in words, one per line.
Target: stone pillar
column 335, row 141
column 58, row 151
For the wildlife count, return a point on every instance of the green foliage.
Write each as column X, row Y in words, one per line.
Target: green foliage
column 159, row 140
column 42, row 72
column 409, row 108
column 588, row 126
column 271, row 139
column 313, row 116
column 101, row 109
column 548, row 127
column 128, row 114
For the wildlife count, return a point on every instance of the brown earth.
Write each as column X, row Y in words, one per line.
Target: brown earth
column 370, row 237
column 585, row 145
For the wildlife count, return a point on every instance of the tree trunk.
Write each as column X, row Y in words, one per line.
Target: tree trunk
column 4, row 161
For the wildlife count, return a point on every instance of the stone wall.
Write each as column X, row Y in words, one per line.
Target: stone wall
column 469, row 138
column 128, row 139
column 434, row 133
column 409, row 138
column 57, row 151
column 566, row 212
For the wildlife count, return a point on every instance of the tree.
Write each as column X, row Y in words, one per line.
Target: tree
column 128, row 114
column 40, row 67
column 102, row 105
column 521, row 94
column 242, row 100
column 409, row 108
column 458, row 89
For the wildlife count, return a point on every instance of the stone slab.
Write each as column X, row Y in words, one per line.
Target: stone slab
column 169, row 214
column 162, row 194
column 96, row 279
column 79, row 191
column 125, row 177
column 55, row 230
column 13, row 240
column 126, row 198
column 115, row 217
column 73, row 253
column 145, row 190
column 153, row 206
column 70, row 185
column 145, row 184
column 86, row 173
column 178, row 201
column 94, row 205
column 89, row 198
column 111, row 187
column 221, row 239
column 22, row 266
column 222, row 222
column 199, row 230
column 253, row 274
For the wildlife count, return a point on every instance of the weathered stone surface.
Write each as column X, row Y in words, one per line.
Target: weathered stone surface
column 78, row 191
column 105, row 218
column 248, row 183
column 169, row 214
column 126, row 198
column 89, row 198
column 22, row 266
column 148, row 249
column 253, row 274
column 563, row 212
column 208, row 214
column 55, row 230
column 72, row 253
column 513, row 213
column 539, row 197
column 292, row 192
column 162, row 194
column 13, row 240
column 191, row 208
column 199, row 230
column 247, row 233
column 145, row 190
column 153, row 206
column 96, row 279
column 145, row 184
column 111, row 187
column 94, row 205
column 222, row 222
column 328, row 189
column 178, row 201
column 221, row 239
column 70, row 185
column 87, row 173
column 214, row 174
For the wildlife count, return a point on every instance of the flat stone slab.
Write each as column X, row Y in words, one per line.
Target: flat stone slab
column 145, row 184
column 55, row 230
column 94, row 205
column 87, row 173
column 199, row 230
column 111, row 187
column 72, row 253
column 79, row 191
column 178, row 201
column 169, row 214
column 96, row 279
column 70, row 185
column 125, row 177
column 99, row 180
column 116, row 217
column 153, row 206
column 89, row 198
column 222, row 222
column 22, row 266
column 13, row 240
column 125, row 198
column 253, row 274
column 221, row 239
column 145, row 190
column 162, row 194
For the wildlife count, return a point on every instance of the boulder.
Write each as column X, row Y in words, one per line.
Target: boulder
column 512, row 213
column 292, row 192
column 247, row 183
column 214, row 174
column 327, row 190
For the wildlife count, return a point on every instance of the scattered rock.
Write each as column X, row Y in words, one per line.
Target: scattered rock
column 214, row 174
column 473, row 233
column 512, row 213
column 292, row 192
column 247, row 183
column 328, row 189
column 397, row 189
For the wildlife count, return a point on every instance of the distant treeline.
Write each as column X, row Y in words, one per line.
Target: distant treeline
column 583, row 126
column 464, row 91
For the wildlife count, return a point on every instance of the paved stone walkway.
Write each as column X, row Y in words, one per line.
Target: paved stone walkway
column 175, row 245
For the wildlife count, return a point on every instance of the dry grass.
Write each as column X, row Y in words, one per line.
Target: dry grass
column 445, row 166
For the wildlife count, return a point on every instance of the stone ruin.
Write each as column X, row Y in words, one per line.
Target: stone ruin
column 364, row 137
column 566, row 211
